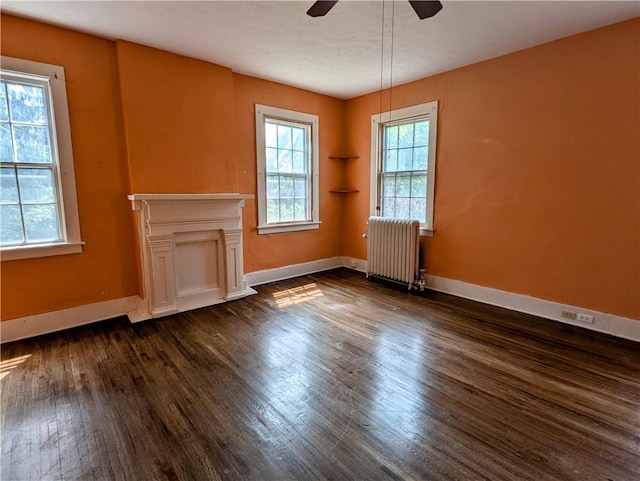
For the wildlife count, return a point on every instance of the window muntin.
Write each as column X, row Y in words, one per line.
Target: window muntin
column 38, row 204
column 29, row 198
column 287, row 156
column 403, row 150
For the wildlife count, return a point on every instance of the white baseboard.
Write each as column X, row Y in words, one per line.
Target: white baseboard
column 618, row 326
column 29, row 326
column 38, row 324
column 294, row 270
column 355, row 264
column 602, row 322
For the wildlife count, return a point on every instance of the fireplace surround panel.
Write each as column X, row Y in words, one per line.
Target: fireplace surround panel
column 191, row 251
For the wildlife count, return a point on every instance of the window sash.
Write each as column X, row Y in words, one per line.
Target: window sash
column 407, row 199
column 299, row 202
column 287, row 170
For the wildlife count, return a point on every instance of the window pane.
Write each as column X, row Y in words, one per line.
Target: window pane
column 388, row 185
column 403, row 208
column 405, row 159
column 284, row 137
column 419, row 209
column 41, row 222
column 391, row 137
column 273, row 210
column 8, row 186
column 298, row 139
column 27, row 103
column 299, row 164
column 388, row 206
column 419, row 185
column 270, row 134
column 11, row 227
column 300, row 186
column 4, row 112
column 286, row 210
column 6, row 144
column 422, row 133
column 403, row 186
column 390, row 160
column 36, row 185
column 272, row 159
column 286, row 187
column 405, row 135
column 300, row 209
column 285, row 162
column 32, row 144
column 420, row 158
column 273, row 187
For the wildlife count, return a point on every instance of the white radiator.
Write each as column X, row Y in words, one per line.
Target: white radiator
column 393, row 248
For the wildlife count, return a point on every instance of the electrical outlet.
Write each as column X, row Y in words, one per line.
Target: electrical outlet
column 569, row 315
column 585, row 318
column 354, row 263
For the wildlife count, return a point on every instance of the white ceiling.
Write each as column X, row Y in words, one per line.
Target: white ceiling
column 339, row 54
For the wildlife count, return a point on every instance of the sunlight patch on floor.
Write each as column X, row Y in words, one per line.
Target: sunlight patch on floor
column 8, row 365
column 296, row 295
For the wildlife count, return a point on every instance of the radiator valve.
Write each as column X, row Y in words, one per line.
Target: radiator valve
column 422, row 280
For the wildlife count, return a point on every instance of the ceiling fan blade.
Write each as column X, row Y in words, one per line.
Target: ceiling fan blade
column 424, row 9
column 320, row 8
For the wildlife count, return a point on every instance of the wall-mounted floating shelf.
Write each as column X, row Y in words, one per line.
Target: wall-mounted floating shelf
column 344, row 190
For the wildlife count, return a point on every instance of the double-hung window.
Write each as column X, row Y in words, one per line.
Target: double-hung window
column 403, row 166
column 38, row 209
column 287, row 153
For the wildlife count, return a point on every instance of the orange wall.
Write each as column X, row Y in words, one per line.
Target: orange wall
column 179, row 122
column 264, row 251
column 194, row 131
column 538, row 180
column 537, row 188
column 144, row 120
column 106, row 267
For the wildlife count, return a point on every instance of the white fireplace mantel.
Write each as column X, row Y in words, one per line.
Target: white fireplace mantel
column 191, row 251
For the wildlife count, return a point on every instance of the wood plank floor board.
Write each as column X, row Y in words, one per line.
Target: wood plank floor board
column 323, row 377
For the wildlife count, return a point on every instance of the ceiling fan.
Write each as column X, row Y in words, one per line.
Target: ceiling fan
column 423, row 8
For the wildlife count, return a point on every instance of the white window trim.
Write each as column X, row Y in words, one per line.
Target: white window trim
column 70, row 223
column 263, row 111
column 430, row 110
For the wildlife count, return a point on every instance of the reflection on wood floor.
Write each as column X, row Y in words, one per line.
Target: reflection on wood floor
column 323, row 377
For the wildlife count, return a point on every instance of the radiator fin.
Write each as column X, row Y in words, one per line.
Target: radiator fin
column 393, row 249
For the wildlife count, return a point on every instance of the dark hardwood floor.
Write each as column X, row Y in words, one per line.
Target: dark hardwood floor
column 323, row 377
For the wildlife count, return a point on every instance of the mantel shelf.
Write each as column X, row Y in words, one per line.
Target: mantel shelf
column 185, row 196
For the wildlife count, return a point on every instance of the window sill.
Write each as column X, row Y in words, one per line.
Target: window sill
column 426, row 232
column 274, row 229
column 40, row 250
